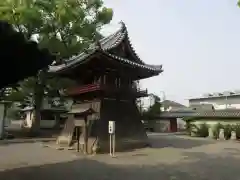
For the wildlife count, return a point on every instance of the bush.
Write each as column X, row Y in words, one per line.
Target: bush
column 193, row 130
column 227, row 131
column 216, row 130
column 188, row 127
column 202, row 130
column 237, row 129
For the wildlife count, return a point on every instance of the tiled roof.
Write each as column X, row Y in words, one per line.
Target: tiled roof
column 169, row 103
column 105, row 45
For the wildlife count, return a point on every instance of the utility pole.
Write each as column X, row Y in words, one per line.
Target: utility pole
column 163, row 98
column 226, row 104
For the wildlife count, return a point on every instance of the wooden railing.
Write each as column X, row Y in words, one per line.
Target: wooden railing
column 83, row 89
column 106, row 87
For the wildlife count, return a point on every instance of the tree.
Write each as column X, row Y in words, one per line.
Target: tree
column 154, row 108
column 65, row 27
column 14, row 49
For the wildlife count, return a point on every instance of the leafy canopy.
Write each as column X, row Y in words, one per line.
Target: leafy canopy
column 65, row 27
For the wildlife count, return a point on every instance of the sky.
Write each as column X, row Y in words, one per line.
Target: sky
column 196, row 41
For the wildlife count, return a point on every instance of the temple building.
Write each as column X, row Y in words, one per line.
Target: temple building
column 107, row 74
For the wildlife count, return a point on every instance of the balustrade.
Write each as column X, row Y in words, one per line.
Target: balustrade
column 105, row 87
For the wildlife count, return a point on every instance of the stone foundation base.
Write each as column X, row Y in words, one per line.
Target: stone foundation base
column 130, row 132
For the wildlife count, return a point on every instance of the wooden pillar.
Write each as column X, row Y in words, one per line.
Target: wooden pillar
column 78, row 138
column 57, row 120
column 119, row 82
column 116, row 81
column 104, row 79
column 85, row 129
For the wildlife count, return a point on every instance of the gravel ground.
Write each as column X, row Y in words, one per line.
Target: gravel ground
column 172, row 157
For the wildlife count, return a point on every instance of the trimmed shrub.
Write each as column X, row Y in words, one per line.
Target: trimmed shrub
column 193, row 130
column 216, row 129
column 237, row 129
column 188, row 127
column 227, row 131
column 202, row 130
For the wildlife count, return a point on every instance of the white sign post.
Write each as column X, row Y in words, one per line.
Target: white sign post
column 111, row 131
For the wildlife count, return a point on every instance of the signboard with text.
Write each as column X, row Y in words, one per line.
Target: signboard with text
column 111, row 127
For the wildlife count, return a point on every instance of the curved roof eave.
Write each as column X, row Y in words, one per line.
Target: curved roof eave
column 105, row 45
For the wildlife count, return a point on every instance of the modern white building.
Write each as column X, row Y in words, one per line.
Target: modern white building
column 223, row 100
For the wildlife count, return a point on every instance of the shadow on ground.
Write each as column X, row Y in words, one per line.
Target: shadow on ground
column 197, row 166
column 21, row 136
column 26, row 140
column 174, row 141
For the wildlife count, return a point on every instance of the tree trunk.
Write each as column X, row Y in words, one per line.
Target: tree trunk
column 36, row 113
column 57, row 119
column 38, row 98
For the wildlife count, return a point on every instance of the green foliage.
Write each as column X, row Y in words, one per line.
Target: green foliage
column 155, row 109
column 188, row 127
column 202, row 130
column 237, row 129
column 216, row 130
column 199, row 131
column 64, row 27
column 13, row 113
column 227, row 131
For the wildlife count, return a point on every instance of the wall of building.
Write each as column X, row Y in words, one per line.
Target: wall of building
column 211, row 122
column 181, row 124
column 218, row 102
column 162, row 125
column 44, row 123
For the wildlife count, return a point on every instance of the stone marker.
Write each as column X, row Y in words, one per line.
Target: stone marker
column 233, row 135
column 210, row 133
column 221, row 134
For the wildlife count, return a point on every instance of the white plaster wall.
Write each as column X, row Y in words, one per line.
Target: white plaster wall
column 181, row 124
column 162, row 126
column 219, row 103
column 234, row 106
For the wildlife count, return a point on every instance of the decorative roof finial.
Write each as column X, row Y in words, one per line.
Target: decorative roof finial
column 122, row 24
